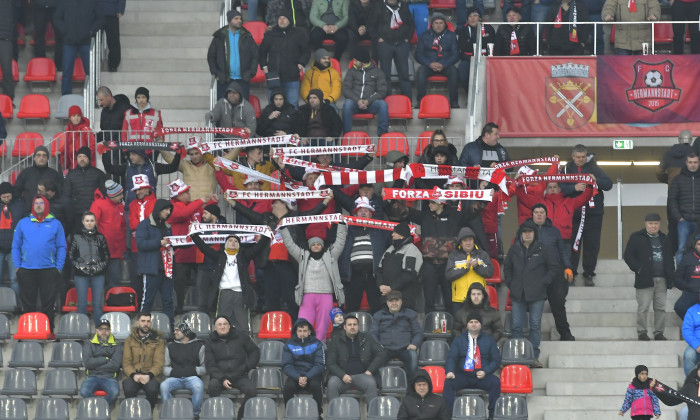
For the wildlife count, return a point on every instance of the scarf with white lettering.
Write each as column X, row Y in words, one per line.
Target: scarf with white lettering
column 208, row 239
column 436, row 194
column 375, row 224
column 523, row 162
column 360, row 177
column 322, row 150
column 307, row 220
column 277, row 195
column 514, row 46
column 215, row 227
column 233, row 131
column 306, row 164
column 492, row 175
column 258, row 141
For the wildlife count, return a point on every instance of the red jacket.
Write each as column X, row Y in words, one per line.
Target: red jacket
column 111, row 222
column 260, row 206
column 141, row 126
column 182, row 215
column 538, row 188
column 499, row 204
column 560, row 209
column 139, row 210
column 316, row 229
column 77, row 136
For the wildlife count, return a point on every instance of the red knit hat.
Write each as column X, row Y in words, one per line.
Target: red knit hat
column 75, row 110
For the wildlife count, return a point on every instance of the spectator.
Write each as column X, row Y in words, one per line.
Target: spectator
column 60, row 205
column 569, row 39
column 296, row 11
column 141, row 121
column 183, row 366
column 322, row 76
column 650, row 256
column 397, row 330
column 584, row 163
column 229, row 356
column 438, row 138
column 466, row 265
column 253, row 159
column 279, row 117
column 337, row 321
column 102, row 359
column 38, row 253
column 319, row 230
column 112, row 114
column 152, row 246
column 353, row 361
column 485, row 151
column 250, row 184
column 364, row 191
column 283, row 54
column 639, row 397
column 478, row 302
column 513, row 38
column 236, row 295
column 81, row 184
column 77, row 134
column 464, row 13
column 329, row 20
column 595, row 8
column 361, row 25
column 207, row 282
column 144, row 357
column 420, row 401
column 683, row 197
column 687, row 278
column 303, row 362
column 195, row 171
column 142, row 206
column 233, row 110
column 437, row 54
column 7, row 28
column 393, row 29
column 11, row 212
column 471, row 363
column 112, row 11
column 111, row 222
column 139, row 163
column 89, row 256
column 528, row 270
column 233, row 55
column 691, row 335
column 467, row 36
column 419, row 10
column 318, row 118
column 319, row 278
column 44, row 12
column 629, row 38
column 365, row 88
column 28, row 179
column 77, row 21
column 440, row 156
column 685, row 10
column 398, row 270
column 669, row 167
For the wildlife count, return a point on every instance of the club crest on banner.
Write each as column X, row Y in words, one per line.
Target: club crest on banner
column 653, row 86
column 570, row 95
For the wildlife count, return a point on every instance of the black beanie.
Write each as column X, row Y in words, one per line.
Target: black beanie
column 403, row 229
column 362, row 55
column 317, row 92
column 232, row 14
column 143, row 91
column 213, row 209
column 84, row 151
column 639, row 369
column 474, row 315
column 539, row 206
column 5, row 188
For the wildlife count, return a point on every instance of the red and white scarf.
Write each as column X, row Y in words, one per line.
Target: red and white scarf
column 360, row 177
column 208, row 239
column 216, row 227
column 322, row 150
column 166, row 254
column 233, row 131
column 396, row 21
column 307, row 220
column 375, row 224
column 436, row 194
column 632, row 6
column 235, row 167
column 473, row 360
column 576, row 178
column 277, row 195
column 514, row 46
column 258, row 141
column 306, row 164
column 523, row 162
column 493, row 175
column 573, row 32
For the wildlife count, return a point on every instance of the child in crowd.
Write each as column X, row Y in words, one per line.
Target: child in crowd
column 640, row 398
column 337, row 318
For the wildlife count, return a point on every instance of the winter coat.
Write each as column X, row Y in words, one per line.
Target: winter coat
column 366, row 83
column 298, row 12
column 243, row 257
column 77, row 21
column 381, row 25
column 438, row 238
column 141, row 125
column 282, row 50
column 472, row 153
column 331, row 120
column 111, row 220
column 643, row 402
column 143, row 357
column 39, row 244
column 691, row 326
column 16, row 212
column 688, row 273
column 467, row 36
column 425, row 54
column 631, row 37
column 113, row 118
column 7, row 24
column 150, row 169
column 219, row 55
column 399, row 270
column 327, row 80
column 341, row 9
column 560, row 209
column 430, row 407
column 288, row 120
column 526, row 40
column 184, row 360
column 200, row 178
column 182, row 216
column 690, row 389
column 684, row 196
column 604, row 184
column 672, row 162
column 62, row 209
column 77, row 136
column 381, row 239
column 230, row 356
column 528, row 271
column 112, row 7
column 372, row 354
column 148, row 236
column 329, row 259
column 138, row 211
column 428, row 156
column 457, row 269
column 558, row 38
column 303, row 357
column 638, row 256
column 241, row 115
column 363, row 16
column 28, row 179
column 490, row 356
column 395, row 331
column 102, row 360
column 80, row 185
column 553, row 244
column 89, row 254
column 491, row 319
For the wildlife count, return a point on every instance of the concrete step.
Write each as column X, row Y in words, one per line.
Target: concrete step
column 605, row 279
column 612, row 305
column 602, row 293
column 579, row 361
column 159, row 29
column 616, row 333
column 184, row 89
column 162, row 65
column 152, row 78
column 540, row 377
column 609, row 266
column 594, row 388
column 669, row 413
column 611, row 347
column 610, row 319
column 146, row 17
column 129, row 42
column 166, row 52
column 173, row 6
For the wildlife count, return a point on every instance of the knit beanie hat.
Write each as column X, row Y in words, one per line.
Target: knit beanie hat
column 232, row 14
column 213, row 209
column 41, row 148
column 84, row 151
column 639, row 369
column 5, row 188
column 317, row 92
column 75, row 110
column 185, row 328
column 334, row 312
column 143, row 91
column 113, row 188
column 403, row 229
column 315, row 240
column 320, row 53
column 476, row 316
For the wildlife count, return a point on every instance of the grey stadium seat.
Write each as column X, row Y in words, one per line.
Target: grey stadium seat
column 51, row 409
column 383, row 408
column 135, row 409
column 510, row 407
column 393, row 381
column 432, row 325
column 517, row 351
column 19, row 381
column 161, row 322
column 66, row 354
column 60, row 382
column 8, row 300
column 4, row 327
column 93, row 409
column 27, row 354
column 13, row 409
column 215, row 408
column 469, row 408
column 271, row 353
column 260, row 408
column 343, row 408
column 120, row 323
column 177, row 409
column 73, row 326
column 64, row 104
column 301, row 408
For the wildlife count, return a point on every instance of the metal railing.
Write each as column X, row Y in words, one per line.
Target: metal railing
column 98, row 51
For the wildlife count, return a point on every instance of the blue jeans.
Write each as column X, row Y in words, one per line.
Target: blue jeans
column 420, row 16
column 253, row 10
column 153, row 284
column 461, row 6
column 685, row 230
column 193, row 383
column 291, row 91
column 378, row 108
column 11, row 269
column 400, row 54
column 539, row 14
column 463, row 71
column 409, row 359
column 70, row 52
column 535, row 311
column 97, row 284
column 598, row 34
column 108, row 385
column 690, row 359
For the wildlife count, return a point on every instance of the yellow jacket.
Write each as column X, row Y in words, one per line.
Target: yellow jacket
column 328, row 81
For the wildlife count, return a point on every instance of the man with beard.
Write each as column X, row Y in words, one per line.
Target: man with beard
column 478, row 302
column 195, row 171
column 144, row 357
column 28, row 179
column 303, row 362
column 420, row 401
column 102, row 358
column 233, row 110
column 80, row 185
column 437, row 54
column 112, row 115
column 399, row 267
column 318, row 119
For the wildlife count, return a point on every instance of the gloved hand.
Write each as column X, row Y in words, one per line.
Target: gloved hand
column 569, row 275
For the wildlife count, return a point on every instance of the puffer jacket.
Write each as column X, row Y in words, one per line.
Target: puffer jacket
column 282, row 50
column 111, row 220
column 643, row 402
column 288, row 120
column 473, row 152
column 395, row 331
column 218, row 56
column 457, row 271
column 553, row 243
column 80, row 185
column 15, row 211
column 672, row 162
column 89, row 253
column 148, row 236
column 688, row 273
column 601, row 178
column 230, row 356
column 684, row 196
column 331, row 120
column 631, row 37
column 327, row 80
column 430, row 407
column 241, row 115
column 560, row 209
column 144, row 356
column 491, row 319
column 303, row 357
column 490, row 356
column 28, row 179
column 425, row 54
column 438, row 238
column 103, row 360
column 39, row 244
column 367, row 83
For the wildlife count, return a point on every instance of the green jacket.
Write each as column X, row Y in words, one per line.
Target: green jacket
column 341, row 8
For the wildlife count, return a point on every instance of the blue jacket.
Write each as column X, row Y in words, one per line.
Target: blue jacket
column 397, row 331
column 381, row 239
column 426, row 55
column 112, row 7
column 490, row 357
column 472, row 153
column 149, row 233
column 303, row 357
column 691, row 326
column 38, row 245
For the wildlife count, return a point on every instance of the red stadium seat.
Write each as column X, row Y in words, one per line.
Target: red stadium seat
column 6, row 107
column 71, row 303
column 423, row 142
column 26, row 142
column 496, row 279
column 442, row 4
column 257, row 29
column 366, row 116
column 328, row 42
column 275, row 325
column 392, row 141
column 78, row 71
column 434, row 106
column 33, row 326
column 58, row 144
column 49, row 36
column 516, row 379
column 364, row 304
column 663, row 33
column 3, row 152
column 34, row 106
column 255, row 102
column 437, row 377
column 119, row 290
column 40, row 69
column 414, row 38
column 437, row 78
column 493, row 296
column 355, row 138
column 259, row 76
column 336, row 65
column 399, row 107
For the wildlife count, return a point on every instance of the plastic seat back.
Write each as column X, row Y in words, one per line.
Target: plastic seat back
column 392, row 141
column 510, row 407
column 438, row 325
column 51, row 409
column 13, row 409
column 469, row 407
column 135, row 409
column 355, row 138
column 276, row 325
column 517, row 351
column 26, row 142
column 336, row 65
column 262, row 408
column 8, row 300
column 119, row 290
column 496, row 278
column 423, row 142
column 271, row 353
column 199, row 322
column 433, row 352
column 20, row 381
column 301, row 408
column 259, row 76
column 34, row 106
column 66, row 354
column 27, row 354
column 40, row 69
column 257, row 30
column 15, row 71
column 93, row 408
column 73, row 326
column 508, row 326
column 437, row 377
column 6, row 107
column 399, row 106
column 33, row 326
column 255, row 103
column 161, row 322
column 217, row 408
column 121, row 324
column 177, row 409
column 267, row 379
column 60, row 382
column 393, row 380
column 516, row 379
column 493, row 296
column 434, row 106
column 383, row 407
column 343, row 408
column 364, row 320
column 78, row 70
column 4, row 327
column 64, row 104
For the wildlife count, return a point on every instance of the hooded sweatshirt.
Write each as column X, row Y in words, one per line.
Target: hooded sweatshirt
column 241, row 114
column 458, row 270
column 491, row 319
column 303, row 357
column 431, row 406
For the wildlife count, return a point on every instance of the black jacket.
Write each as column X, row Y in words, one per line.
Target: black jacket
column 218, row 55
column 430, row 407
column 28, row 180
column 467, row 36
column 602, row 179
column 78, row 20
column 551, row 240
column 88, row 253
column 245, row 254
column 382, row 25
column 7, row 25
column 558, row 38
column 16, row 212
column 638, row 256
column 62, row 208
column 331, row 120
column 113, row 118
column 372, row 354
column 288, row 120
column 230, row 356
column 491, row 318
column 282, row 50
column 526, row 40
column 684, row 196
column 363, row 16
column 688, row 273
column 399, row 270
column 80, row 185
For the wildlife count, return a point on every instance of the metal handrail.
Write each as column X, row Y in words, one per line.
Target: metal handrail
column 97, row 55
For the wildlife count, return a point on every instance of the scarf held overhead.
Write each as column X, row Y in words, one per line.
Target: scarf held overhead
column 436, row 194
column 233, row 166
column 322, row 150
column 257, row 141
column 306, row 164
column 307, row 220
column 276, row 195
column 214, row 227
column 492, row 175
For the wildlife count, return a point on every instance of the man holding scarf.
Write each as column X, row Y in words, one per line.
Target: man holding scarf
column 567, row 38
column 513, row 38
column 437, row 53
